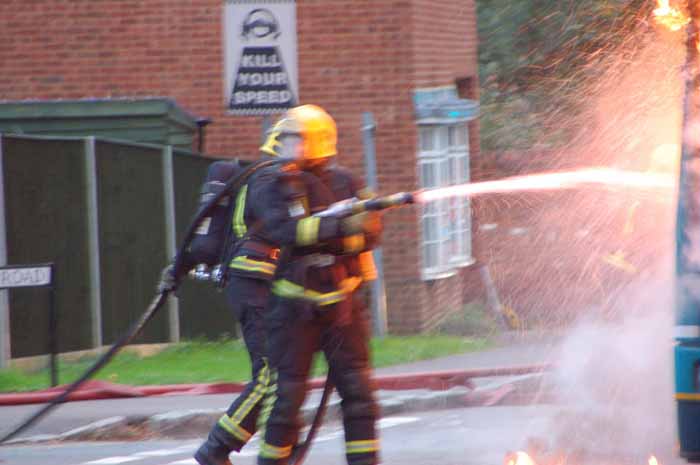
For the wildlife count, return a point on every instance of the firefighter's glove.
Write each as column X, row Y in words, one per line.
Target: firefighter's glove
column 365, row 222
column 168, row 280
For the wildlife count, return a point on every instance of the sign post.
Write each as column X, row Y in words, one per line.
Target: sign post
column 379, row 316
column 12, row 277
column 260, row 62
column 5, row 349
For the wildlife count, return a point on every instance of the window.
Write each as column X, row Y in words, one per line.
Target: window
column 443, row 160
column 466, row 88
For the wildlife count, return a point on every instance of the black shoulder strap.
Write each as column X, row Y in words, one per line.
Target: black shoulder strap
column 231, row 242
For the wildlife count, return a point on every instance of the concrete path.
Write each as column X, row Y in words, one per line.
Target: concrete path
column 77, row 414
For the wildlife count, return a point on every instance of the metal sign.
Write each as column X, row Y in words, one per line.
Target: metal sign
column 25, row 276
column 260, row 62
column 34, row 276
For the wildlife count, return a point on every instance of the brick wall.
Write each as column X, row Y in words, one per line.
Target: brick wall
column 444, row 41
column 443, row 50
column 354, row 56
column 71, row 49
column 350, row 59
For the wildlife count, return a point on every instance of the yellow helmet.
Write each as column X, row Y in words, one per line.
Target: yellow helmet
column 313, row 125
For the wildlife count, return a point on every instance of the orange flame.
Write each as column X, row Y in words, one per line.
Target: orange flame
column 653, row 460
column 519, row 458
column 671, row 17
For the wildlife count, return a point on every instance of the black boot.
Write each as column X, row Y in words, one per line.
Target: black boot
column 212, row 452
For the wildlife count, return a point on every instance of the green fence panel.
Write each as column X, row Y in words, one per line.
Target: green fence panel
column 203, row 310
column 131, row 212
column 45, row 217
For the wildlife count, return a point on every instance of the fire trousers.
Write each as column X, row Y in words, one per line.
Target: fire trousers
column 295, row 334
column 248, row 298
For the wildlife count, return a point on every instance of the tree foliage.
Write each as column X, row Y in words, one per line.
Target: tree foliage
column 537, row 59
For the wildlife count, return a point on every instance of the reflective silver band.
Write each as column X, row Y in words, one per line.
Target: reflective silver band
column 686, row 331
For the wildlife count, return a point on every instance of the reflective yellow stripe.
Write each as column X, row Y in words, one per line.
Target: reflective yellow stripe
column 239, row 227
column 368, row 270
column 284, row 288
column 242, row 266
column 232, row 423
column 695, row 396
column 307, row 230
column 268, row 403
column 328, row 298
column 354, row 243
column 361, row 447
column 290, row 290
column 269, row 451
column 248, row 264
column 236, row 430
column 255, row 396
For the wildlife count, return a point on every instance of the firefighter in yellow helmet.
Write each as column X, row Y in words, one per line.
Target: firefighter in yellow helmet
column 249, row 276
column 323, row 263
column 305, row 134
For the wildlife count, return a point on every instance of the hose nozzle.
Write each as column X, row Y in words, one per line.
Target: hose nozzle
column 388, row 201
column 353, row 206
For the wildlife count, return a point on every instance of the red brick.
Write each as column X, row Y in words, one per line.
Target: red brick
column 371, row 60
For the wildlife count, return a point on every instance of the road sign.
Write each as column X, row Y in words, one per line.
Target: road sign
column 260, row 56
column 36, row 276
column 25, row 276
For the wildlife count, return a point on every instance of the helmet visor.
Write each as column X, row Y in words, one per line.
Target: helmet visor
column 291, row 146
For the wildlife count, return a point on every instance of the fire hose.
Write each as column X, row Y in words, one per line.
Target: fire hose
column 340, row 210
column 156, row 304
column 353, row 206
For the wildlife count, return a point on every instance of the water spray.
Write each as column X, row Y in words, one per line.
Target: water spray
column 605, row 177
column 587, row 177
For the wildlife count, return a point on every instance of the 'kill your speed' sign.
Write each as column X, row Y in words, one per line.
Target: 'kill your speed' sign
column 260, row 62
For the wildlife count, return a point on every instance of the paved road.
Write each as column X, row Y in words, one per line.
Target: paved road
column 454, row 437
column 621, row 391
column 76, row 414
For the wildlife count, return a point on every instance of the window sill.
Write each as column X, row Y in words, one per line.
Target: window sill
column 464, row 263
column 437, row 275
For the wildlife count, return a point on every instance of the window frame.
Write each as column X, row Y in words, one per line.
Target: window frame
column 441, row 147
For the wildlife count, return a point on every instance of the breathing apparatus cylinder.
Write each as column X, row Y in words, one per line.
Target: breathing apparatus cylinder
column 210, row 236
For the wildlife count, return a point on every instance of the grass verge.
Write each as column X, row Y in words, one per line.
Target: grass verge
column 225, row 361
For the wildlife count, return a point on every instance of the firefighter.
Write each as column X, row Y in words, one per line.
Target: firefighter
column 250, row 271
column 314, row 305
